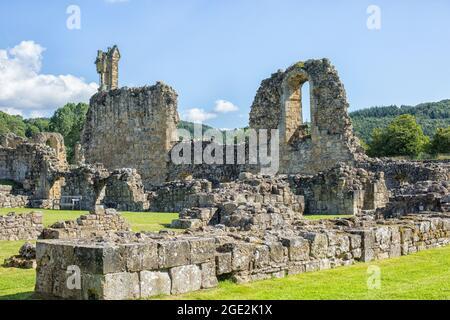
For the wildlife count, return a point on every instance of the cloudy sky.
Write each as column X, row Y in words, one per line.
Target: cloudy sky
column 216, row 52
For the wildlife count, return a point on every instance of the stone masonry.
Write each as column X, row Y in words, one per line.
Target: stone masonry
column 99, row 222
column 133, row 266
column 330, row 139
column 15, row 227
column 107, row 64
column 132, row 128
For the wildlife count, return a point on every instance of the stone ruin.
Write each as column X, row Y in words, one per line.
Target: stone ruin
column 144, row 265
column 239, row 224
column 329, row 139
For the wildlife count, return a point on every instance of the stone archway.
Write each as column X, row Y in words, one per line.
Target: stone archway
column 292, row 125
column 54, row 141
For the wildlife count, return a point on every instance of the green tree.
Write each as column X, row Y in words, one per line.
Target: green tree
column 440, row 143
column 37, row 125
column 402, row 137
column 69, row 121
column 14, row 124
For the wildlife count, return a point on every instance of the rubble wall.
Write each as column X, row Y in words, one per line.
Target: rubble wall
column 15, row 227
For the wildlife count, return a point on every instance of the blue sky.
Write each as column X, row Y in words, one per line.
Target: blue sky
column 218, row 51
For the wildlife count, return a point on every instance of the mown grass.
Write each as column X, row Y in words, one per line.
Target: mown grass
column 15, row 284
column 140, row 221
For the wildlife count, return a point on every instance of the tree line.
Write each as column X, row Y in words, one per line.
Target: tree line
column 384, row 131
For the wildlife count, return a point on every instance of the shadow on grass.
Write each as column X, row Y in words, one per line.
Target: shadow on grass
column 18, row 296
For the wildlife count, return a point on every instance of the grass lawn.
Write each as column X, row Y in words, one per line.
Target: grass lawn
column 421, row 276
column 140, row 221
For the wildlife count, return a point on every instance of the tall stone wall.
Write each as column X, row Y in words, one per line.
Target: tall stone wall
column 329, row 139
column 15, row 227
column 132, row 128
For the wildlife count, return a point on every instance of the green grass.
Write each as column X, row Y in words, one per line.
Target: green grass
column 14, row 283
column 140, row 221
column 425, row 275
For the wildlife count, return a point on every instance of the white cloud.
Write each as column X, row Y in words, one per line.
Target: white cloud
column 223, row 106
column 11, row 111
column 198, row 115
column 25, row 90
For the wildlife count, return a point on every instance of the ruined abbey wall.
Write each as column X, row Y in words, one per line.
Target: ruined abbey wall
column 33, row 164
column 329, row 138
column 132, row 128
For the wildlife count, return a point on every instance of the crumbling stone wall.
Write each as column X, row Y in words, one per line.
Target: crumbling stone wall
column 107, row 64
column 128, row 266
column 124, row 191
column 9, row 198
column 99, row 222
column 342, row 190
column 250, row 203
column 33, row 165
column 401, row 172
column 132, row 128
column 421, row 197
column 15, row 227
column 176, row 195
column 330, row 139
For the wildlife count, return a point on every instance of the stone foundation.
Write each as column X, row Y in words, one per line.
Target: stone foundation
column 129, row 266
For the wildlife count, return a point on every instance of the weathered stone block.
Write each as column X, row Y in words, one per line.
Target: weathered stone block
column 298, row 248
column 319, row 244
column 154, row 283
column 174, row 253
column 209, row 279
column 185, row 279
column 223, row 263
column 202, row 250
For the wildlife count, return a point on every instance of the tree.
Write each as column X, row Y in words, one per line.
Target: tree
column 402, row 137
column 440, row 142
column 69, row 121
column 37, row 125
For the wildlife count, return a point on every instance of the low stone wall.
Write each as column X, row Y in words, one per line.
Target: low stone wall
column 98, row 223
column 14, row 201
column 175, row 196
column 128, row 266
column 399, row 172
column 251, row 202
column 424, row 196
column 21, row 226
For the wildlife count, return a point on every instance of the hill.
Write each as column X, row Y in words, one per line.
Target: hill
column 430, row 116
